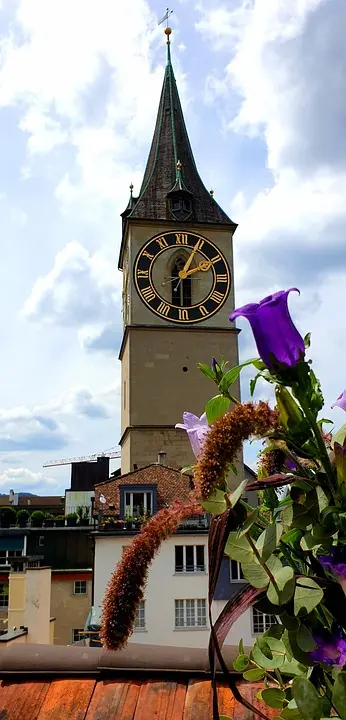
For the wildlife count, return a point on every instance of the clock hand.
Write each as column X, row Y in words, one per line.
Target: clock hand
column 182, row 274
column 203, row 266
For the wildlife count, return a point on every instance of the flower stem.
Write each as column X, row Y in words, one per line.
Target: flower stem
column 320, row 442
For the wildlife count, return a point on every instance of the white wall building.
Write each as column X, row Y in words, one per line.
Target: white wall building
column 175, row 610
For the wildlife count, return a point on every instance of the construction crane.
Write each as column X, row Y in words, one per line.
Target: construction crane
column 84, row 458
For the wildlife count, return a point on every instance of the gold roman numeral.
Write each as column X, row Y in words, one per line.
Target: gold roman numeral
column 162, row 243
column 216, row 259
column 216, row 296
column 200, row 244
column 148, row 255
column 148, row 294
column 221, row 278
column 183, row 314
column 163, row 309
column 143, row 273
column 180, row 239
column 203, row 311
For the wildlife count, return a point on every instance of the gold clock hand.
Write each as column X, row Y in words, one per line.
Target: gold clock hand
column 203, row 266
column 183, row 272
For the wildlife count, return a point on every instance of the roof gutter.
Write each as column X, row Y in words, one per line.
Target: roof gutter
column 24, row 659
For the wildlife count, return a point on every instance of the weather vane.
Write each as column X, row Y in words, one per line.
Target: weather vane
column 166, row 16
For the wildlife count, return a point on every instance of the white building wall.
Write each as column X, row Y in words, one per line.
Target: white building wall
column 163, row 588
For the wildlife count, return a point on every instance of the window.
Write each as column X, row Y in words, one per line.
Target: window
column 235, row 571
column 80, row 587
column 7, row 555
column 189, row 558
column 140, row 619
column 3, row 595
column 138, row 503
column 261, row 621
column 190, row 613
column 181, row 289
column 77, row 635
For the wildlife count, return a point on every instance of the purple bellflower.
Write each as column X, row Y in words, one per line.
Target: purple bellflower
column 197, row 429
column 330, row 649
column 278, row 340
column 341, row 401
column 336, row 564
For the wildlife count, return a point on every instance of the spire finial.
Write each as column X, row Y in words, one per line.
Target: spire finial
column 179, row 166
column 211, row 192
column 168, row 30
column 131, row 189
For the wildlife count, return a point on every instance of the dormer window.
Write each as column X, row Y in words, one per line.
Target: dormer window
column 180, row 204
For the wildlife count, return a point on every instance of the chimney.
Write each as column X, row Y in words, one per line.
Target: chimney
column 29, row 604
column 162, row 458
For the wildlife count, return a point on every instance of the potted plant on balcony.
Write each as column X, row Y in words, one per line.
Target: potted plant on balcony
column 60, row 521
column 119, row 525
column 129, row 521
column 22, row 518
column 37, row 518
column 138, row 522
column 48, row 520
column 71, row 519
column 7, row 516
column 83, row 515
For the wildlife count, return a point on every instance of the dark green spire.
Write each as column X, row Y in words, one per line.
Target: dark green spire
column 171, row 166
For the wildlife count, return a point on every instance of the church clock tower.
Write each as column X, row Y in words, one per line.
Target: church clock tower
column 177, row 263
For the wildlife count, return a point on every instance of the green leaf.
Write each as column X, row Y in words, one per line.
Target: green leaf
column 294, row 649
column 289, row 622
column 275, row 631
column 187, row 469
column 307, row 339
column 207, row 371
column 274, row 697
column 292, row 537
column 254, row 675
column 255, row 573
column 250, row 520
column 306, row 698
column 305, row 639
column 278, row 651
column 290, row 714
column 241, row 662
column 268, row 540
column 232, row 375
column 216, row 407
column 237, row 493
column 238, row 548
column 293, row 669
column 285, row 581
column 307, row 595
column 216, row 504
column 339, row 436
column 339, row 695
column 308, row 542
column 241, row 647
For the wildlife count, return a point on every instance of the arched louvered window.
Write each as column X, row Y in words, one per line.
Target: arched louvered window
column 181, row 289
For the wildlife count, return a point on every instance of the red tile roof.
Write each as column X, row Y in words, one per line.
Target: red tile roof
column 121, row 698
column 170, row 484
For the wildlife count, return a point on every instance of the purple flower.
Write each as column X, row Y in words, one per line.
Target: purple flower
column 336, row 564
column 197, row 429
column 341, row 401
column 278, row 340
column 331, row 649
column 290, row 464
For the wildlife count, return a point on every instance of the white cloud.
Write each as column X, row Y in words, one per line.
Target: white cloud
column 18, row 478
column 81, row 290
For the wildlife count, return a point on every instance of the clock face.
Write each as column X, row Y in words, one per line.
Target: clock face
column 182, row 277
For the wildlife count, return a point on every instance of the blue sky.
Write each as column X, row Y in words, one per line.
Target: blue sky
column 262, row 86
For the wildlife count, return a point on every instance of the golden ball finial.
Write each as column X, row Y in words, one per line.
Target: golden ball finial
column 168, row 31
column 211, row 192
column 131, row 188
